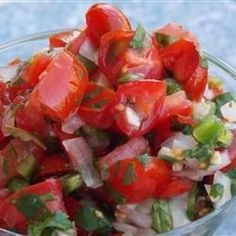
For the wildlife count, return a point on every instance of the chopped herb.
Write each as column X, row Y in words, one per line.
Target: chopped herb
column 32, row 207
column 139, row 37
column 201, row 152
column 92, row 220
column 172, row 86
column 203, row 62
column 92, row 94
column 162, row 219
column 100, row 104
column 17, row 183
column 89, row 65
column 184, row 128
column 221, row 100
column 144, row 159
column 24, row 136
column 224, row 139
column 233, row 187
column 232, row 174
column 129, row 78
column 165, row 39
column 217, row 191
column 57, row 221
column 130, row 175
column 167, row 158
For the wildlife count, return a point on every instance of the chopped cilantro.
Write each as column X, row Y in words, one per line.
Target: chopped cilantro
column 89, row 65
column 232, row 174
column 165, row 39
column 167, row 158
column 172, row 86
column 144, row 159
column 100, row 104
column 92, row 94
column 139, row 37
column 233, row 188
column 192, row 201
column 203, row 62
column 54, row 222
column 217, row 190
column 130, row 175
column 92, row 220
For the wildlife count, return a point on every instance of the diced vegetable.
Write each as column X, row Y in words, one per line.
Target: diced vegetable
column 71, row 182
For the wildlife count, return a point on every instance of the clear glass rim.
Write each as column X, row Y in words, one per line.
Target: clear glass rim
column 217, row 62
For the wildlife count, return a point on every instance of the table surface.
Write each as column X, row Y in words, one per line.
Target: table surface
column 212, row 21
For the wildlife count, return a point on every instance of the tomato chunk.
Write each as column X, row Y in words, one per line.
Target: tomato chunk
column 137, row 106
column 103, row 18
column 12, row 217
column 94, row 108
column 61, row 88
column 137, row 179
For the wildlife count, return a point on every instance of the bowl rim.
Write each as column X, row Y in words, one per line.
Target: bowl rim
column 214, row 60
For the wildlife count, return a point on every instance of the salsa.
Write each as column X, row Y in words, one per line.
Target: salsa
column 113, row 130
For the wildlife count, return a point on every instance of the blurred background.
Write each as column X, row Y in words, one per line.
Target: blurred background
column 212, row 21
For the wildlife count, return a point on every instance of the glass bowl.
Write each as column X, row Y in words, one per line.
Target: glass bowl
column 24, row 47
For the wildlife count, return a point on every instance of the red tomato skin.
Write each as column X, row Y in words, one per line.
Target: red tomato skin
column 148, row 97
column 54, row 165
column 13, row 218
column 196, row 84
column 30, row 120
column 173, row 188
column 103, row 18
column 147, row 179
column 61, row 88
column 32, row 70
column 62, row 38
column 146, row 61
column 176, row 106
column 97, row 117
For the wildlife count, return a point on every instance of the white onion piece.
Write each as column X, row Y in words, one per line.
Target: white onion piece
column 132, row 117
column 129, row 230
column 136, row 217
column 197, row 175
column 228, row 111
column 201, row 109
column 89, row 50
column 8, row 119
column 134, row 147
column 81, row 157
column 100, row 79
column 223, row 179
column 7, row 73
column 230, row 126
column 209, row 94
column 178, row 208
column 72, row 124
column 181, row 141
column 145, row 206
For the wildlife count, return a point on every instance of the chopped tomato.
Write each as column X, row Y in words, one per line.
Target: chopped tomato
column 61, row 88
column 62, row 38
column 121, row 63
column 72, row 206
column 174, row 187
column 60, row 134
column 137, row 106
column 13, row 218
column 30, row 120
column 54, row 165
column 176, row 107
column 196, row 84
column 136, row 179
column 102, row 18
column 33, row 69
column 94, row 108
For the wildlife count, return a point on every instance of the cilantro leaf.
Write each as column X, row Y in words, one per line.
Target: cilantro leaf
column 129, row 77
column 144, row 159
column 139, row 37
column 130, row 175
column 58, row 221
column 172, row 86
column 233, row 187
column 217, row 190
column 165, row 39
column 92, row 220
column 232, row 174
column 162, row 219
